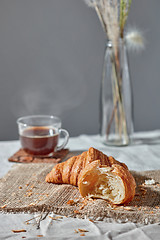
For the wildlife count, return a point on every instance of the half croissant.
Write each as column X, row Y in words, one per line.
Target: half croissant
column 97, row 176
column 115, row 184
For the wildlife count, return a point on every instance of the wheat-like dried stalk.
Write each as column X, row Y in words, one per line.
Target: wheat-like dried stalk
column 112, row 21
column 91, row 3
column 97, row 6
column 123, row 15
column 117, row 11
column 113, row 15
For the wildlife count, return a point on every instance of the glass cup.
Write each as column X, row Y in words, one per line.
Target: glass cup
column 39, row 134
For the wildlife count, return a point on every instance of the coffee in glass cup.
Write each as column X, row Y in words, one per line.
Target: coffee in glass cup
column 39, row 134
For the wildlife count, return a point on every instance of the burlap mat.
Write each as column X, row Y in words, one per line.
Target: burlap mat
column 24, row 189
column 22, row 157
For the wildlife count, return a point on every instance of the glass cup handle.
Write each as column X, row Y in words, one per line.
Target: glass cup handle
column 66, row 138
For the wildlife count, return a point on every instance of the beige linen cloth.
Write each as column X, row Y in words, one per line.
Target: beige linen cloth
column 144, row 156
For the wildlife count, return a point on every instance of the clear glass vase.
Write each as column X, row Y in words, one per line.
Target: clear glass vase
column 116, row 110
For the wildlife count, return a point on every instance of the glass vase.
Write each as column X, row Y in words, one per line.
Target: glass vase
column 116, row 110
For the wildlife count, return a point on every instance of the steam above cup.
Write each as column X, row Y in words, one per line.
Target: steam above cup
column 39, row 134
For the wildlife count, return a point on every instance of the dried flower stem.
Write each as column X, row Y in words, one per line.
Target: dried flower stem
column 101, row 18
column 124, row 11
column 113, row 16
column 121, row 125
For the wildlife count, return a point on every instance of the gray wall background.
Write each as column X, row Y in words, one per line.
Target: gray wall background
column 51, row 57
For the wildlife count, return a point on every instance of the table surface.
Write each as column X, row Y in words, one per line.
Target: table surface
column 143, row 154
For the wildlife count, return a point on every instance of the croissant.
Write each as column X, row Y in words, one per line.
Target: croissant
column 97, row 176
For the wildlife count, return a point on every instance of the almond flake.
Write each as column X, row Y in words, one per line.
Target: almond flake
column 18, row 231
column 4, row 206
column 91, row 220
column 82, row 230
column 55, row 218
column 71, row 202
column 76, row 212
column 128, row 208
column 32, row 204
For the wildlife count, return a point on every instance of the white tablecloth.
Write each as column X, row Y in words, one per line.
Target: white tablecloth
column 142, row 154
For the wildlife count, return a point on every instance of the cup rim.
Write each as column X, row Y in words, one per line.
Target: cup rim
column 19, row 120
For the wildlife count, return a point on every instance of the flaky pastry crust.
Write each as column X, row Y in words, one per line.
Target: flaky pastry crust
column 115, row 183
column 96, row 167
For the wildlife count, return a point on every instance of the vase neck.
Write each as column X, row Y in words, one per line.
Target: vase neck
column 110, row 45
